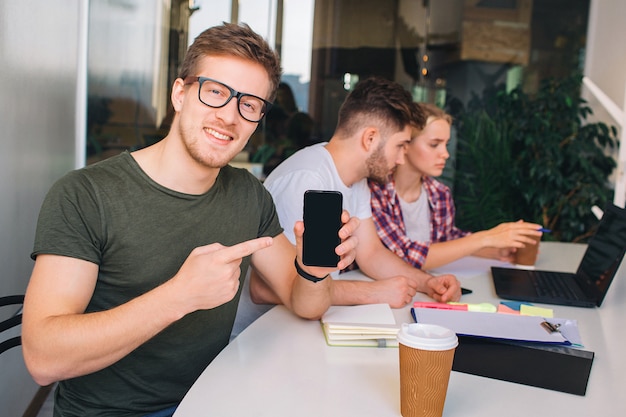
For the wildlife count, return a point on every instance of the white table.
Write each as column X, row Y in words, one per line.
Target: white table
column 281, row 366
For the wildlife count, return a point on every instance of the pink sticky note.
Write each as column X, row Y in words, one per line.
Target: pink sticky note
column 507, row 310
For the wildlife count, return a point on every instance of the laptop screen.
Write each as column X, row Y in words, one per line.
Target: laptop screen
column 605, row 250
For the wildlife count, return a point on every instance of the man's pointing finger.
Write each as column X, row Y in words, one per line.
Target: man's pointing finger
column 246, row 248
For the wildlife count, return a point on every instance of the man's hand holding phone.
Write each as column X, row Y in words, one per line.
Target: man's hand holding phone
column 324, row 239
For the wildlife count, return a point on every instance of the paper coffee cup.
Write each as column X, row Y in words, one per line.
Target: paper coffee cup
column 426, row 356
column 527, row 256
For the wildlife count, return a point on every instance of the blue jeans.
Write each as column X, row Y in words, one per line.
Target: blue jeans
column 163, row 413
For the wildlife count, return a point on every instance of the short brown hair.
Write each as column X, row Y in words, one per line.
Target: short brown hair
column 230, row 39
column 381, row 99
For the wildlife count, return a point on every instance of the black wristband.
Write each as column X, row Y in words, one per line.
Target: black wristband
column 305, row 274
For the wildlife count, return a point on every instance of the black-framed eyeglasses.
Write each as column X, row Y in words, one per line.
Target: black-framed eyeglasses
column 217, row 94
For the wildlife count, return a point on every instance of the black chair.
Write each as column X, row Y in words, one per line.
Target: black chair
column 11, row 322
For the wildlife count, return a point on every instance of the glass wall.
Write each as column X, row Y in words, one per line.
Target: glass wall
column 440, row 50
column 128, row 46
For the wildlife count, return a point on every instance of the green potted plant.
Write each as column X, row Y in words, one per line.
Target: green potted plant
column 532, row 157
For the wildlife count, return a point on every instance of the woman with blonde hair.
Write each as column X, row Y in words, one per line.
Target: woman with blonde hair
column 414, row 213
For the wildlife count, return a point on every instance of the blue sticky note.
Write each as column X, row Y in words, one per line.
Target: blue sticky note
column 514, row 305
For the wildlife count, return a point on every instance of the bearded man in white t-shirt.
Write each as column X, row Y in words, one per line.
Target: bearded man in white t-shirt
column 374, row 125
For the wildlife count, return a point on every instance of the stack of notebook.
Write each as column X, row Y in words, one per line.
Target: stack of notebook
column 364, row 325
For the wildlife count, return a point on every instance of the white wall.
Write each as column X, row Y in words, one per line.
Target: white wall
column 605, row 60
column 41, row 108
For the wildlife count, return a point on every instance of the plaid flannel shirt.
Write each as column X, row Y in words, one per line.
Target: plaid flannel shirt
column 390, row 226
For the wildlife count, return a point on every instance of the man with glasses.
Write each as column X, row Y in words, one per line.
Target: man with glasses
column 138, row 258
column 216, row 94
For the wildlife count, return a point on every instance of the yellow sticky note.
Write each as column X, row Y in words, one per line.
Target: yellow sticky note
column 526, row 310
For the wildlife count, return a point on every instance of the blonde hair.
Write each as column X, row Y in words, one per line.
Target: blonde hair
column 431, row 113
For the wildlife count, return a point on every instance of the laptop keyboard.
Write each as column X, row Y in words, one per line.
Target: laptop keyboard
column 555, row 285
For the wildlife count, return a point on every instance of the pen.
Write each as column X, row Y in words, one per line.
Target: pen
column 544, row 230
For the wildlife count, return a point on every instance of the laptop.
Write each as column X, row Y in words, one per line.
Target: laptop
column 588, row 286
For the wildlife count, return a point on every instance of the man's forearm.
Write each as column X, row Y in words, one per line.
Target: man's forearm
column 349, row 292
column 385, row 264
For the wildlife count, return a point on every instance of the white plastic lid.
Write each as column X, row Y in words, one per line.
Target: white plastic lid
column 427, row 336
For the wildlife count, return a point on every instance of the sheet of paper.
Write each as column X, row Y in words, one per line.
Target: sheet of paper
column 569, row 329
column 469, row 267
column 494, row 325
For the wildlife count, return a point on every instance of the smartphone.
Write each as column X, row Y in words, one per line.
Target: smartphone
column 322, row 221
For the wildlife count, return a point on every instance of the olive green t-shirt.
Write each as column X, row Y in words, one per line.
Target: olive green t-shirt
column 139, row 234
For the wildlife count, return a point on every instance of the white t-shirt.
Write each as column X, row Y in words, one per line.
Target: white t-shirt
column 415, row 216
column 312, row 168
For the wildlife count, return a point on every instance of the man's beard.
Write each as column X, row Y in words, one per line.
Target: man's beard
column 376, row 165
column 205, row 158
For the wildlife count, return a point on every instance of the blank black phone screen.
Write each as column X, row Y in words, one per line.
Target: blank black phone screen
column 322, row 221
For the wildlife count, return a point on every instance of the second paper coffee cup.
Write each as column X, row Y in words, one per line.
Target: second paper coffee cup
column 527, row 256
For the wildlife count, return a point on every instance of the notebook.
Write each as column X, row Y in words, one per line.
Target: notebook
column 361, row 325
column 588, row 286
